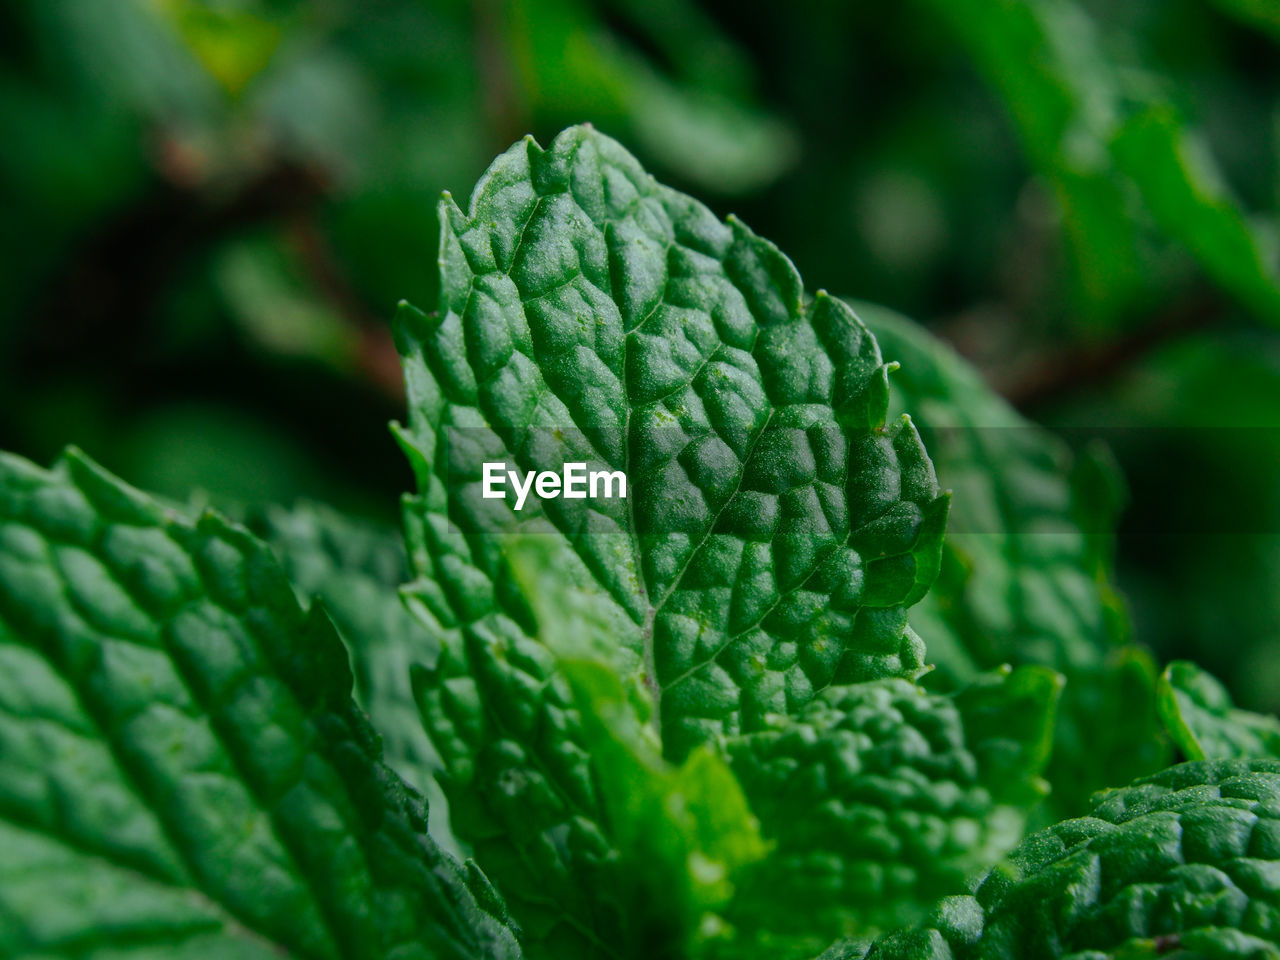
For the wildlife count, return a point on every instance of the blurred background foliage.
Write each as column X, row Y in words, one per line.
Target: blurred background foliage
column 212, row 206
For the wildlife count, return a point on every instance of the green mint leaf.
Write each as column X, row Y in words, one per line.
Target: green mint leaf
column 874, row 800
column 1042, row 57
column 590, row 314
column 681, row 832
column 1187, row 195
column 183, row 772
column 356, row 570
column 517, row 767
column 1180, row 864
column 881, row 798
column 1205, row 724
column 774, row 533
column 1026, row 567
column 705, row 129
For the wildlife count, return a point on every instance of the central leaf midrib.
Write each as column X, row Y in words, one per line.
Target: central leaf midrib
column 627, row 587
column 653, row 608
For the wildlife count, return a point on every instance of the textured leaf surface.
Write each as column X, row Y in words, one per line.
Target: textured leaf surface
column 1205, row 724
column 882, row 798
column 1179, row 865
column 1026, row 567
column 589, row 313
column 680, row 832
column 774, row 534
column 356, row 570
column 183, row 772
column 874, row 800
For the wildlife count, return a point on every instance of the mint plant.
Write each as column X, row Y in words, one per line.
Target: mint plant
column 182, row 769
column 693, row 721
column 1205, row 724
column 1176, row 865
column 1026, row 572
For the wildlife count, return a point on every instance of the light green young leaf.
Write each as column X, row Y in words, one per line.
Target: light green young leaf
column 1026, row 567
column 682, row 832
column 183, row 772
column 1179, row 865
column 876, row 798
column 1205, row 724
column 774, row 532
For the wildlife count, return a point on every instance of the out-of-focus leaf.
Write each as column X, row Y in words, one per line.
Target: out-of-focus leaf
column 277, row 309
column 219, row 454
column 1206, row 725
column 706, row 137
column 1042, row 57
column 75, row 105
column 1199, row 569
column 570, row 67
column 1106, row 139
column 356, row 570
column 1183, row 189
column 1263, row 14
column 1026, row 575
column 128, row 55
column 233, row 44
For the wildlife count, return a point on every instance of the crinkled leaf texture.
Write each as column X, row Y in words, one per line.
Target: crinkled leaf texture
column 873, row 800
column 1205, row 724
column 1179, row 865
column 880, row 798
column 355, row 569
column 183, row 772
column 775, row 530
column 759, row 572
column 1026, row 567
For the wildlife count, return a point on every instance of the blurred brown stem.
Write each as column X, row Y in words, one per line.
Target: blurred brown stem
column 103, row 301
column 377, row 359
column 1051, row 376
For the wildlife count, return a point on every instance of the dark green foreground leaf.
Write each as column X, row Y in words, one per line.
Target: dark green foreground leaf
column 1181, row 865
column 775, row 528
column 183, row 772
